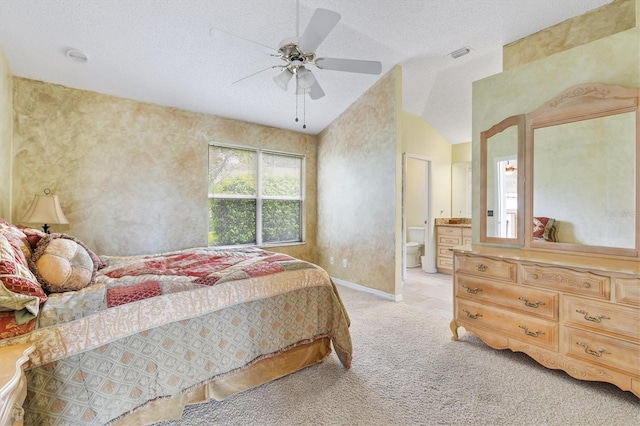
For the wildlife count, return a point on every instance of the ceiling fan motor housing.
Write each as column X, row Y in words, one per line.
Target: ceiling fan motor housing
column 291, row 54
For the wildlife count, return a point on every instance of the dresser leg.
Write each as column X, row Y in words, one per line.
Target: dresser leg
column 454, row 329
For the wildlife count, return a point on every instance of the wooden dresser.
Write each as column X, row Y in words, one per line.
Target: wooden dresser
column 577, row 313
column 449, row 236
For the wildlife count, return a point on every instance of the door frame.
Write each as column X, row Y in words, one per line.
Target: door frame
column 428, row 235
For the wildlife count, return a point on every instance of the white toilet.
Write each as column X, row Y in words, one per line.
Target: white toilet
column 413, row 247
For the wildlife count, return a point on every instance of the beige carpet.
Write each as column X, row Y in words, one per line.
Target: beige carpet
column 407, row 371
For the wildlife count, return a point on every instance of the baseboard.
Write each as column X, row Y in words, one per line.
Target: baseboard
column 364, row 289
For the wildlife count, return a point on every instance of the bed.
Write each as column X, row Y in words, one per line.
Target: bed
column 132, row 340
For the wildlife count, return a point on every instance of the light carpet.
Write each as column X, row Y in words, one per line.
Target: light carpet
column 407, row 371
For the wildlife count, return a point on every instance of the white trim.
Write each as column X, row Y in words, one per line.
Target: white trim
column 359, row 287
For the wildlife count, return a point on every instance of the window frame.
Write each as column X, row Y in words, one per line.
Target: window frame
column 259, row 197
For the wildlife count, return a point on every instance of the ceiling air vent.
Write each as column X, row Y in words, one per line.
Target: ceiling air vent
column 460, row 52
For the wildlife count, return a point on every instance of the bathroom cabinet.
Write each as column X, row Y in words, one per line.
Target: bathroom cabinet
column 449, row 235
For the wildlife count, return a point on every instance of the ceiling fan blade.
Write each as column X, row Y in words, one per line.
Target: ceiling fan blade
column 248, row 79
column 225, row 37
column 314, row 92
column 349, row 65
column 321, row 24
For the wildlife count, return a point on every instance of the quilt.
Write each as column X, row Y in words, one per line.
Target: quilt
column 156, row 326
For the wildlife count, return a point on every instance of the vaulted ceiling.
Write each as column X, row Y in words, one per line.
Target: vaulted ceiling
column 162, row 51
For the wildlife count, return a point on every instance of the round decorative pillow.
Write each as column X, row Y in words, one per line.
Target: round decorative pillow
column 62, row 263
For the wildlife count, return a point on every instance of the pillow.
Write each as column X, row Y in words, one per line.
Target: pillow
column 62, row 263
column 20, row 291
column 9, row 327
column 543, row 228
column 33, row 235
column 17, row 238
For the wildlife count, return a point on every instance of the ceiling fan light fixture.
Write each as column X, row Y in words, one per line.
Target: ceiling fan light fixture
column 305, row 78
column 282, row 79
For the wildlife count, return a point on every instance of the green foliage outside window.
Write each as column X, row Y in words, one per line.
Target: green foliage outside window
column 280, row 220
column 232, row 220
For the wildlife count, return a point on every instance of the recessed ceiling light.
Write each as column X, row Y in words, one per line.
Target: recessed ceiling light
column 77, row 55
column 460, row 52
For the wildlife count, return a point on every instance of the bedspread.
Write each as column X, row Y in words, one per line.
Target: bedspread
column 157, row 326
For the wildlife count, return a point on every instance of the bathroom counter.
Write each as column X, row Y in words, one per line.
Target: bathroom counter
column 449, row 235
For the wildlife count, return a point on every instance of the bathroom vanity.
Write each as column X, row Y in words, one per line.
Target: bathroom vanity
column 450, row 232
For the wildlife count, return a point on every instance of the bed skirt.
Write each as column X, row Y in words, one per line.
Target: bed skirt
column 256, row 374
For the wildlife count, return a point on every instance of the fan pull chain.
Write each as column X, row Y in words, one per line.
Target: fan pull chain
column 296, row 105
column 304, row 109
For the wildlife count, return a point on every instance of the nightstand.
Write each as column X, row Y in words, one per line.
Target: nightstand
column 13, row 383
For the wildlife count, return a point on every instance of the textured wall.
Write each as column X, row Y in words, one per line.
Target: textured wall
column 357, row 169
column 131, row 176
column 612, row 18
column 6, row 107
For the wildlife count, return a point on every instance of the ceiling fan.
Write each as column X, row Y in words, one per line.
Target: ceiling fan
column 298, row 53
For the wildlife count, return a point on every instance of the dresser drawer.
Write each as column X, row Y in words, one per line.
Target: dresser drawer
column 485, row 267
column 524, row 299
column 449, row 240
column 602, row 350
column 622, row 321
column 567, row 281
column 628, row 291
column 519, row 326
column 449, row 230
column 445, row 252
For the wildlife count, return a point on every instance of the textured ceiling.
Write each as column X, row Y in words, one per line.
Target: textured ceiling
column 161, row 51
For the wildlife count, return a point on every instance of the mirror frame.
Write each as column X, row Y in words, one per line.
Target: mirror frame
column 519, row 122
column 578, row 103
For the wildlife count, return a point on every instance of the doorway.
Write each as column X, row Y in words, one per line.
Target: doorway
column 507, row 197
column 416, row 209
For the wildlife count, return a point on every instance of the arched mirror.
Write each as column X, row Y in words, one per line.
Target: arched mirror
column 502, row 182
column 583, row 183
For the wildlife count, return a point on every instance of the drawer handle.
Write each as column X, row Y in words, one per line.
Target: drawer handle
column 472, row 290
column 529, row 304
column 597, row 353
column 482, row 267
column 531, row 333
column 599, row 318
column 470, row 315
column 537, row 277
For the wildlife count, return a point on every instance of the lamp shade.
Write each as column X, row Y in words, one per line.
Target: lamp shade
column 45, row 209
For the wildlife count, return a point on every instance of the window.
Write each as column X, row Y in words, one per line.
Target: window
column 255, row 196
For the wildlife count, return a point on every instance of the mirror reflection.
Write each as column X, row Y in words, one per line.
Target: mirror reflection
column 584, row 182
column 501, row 181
